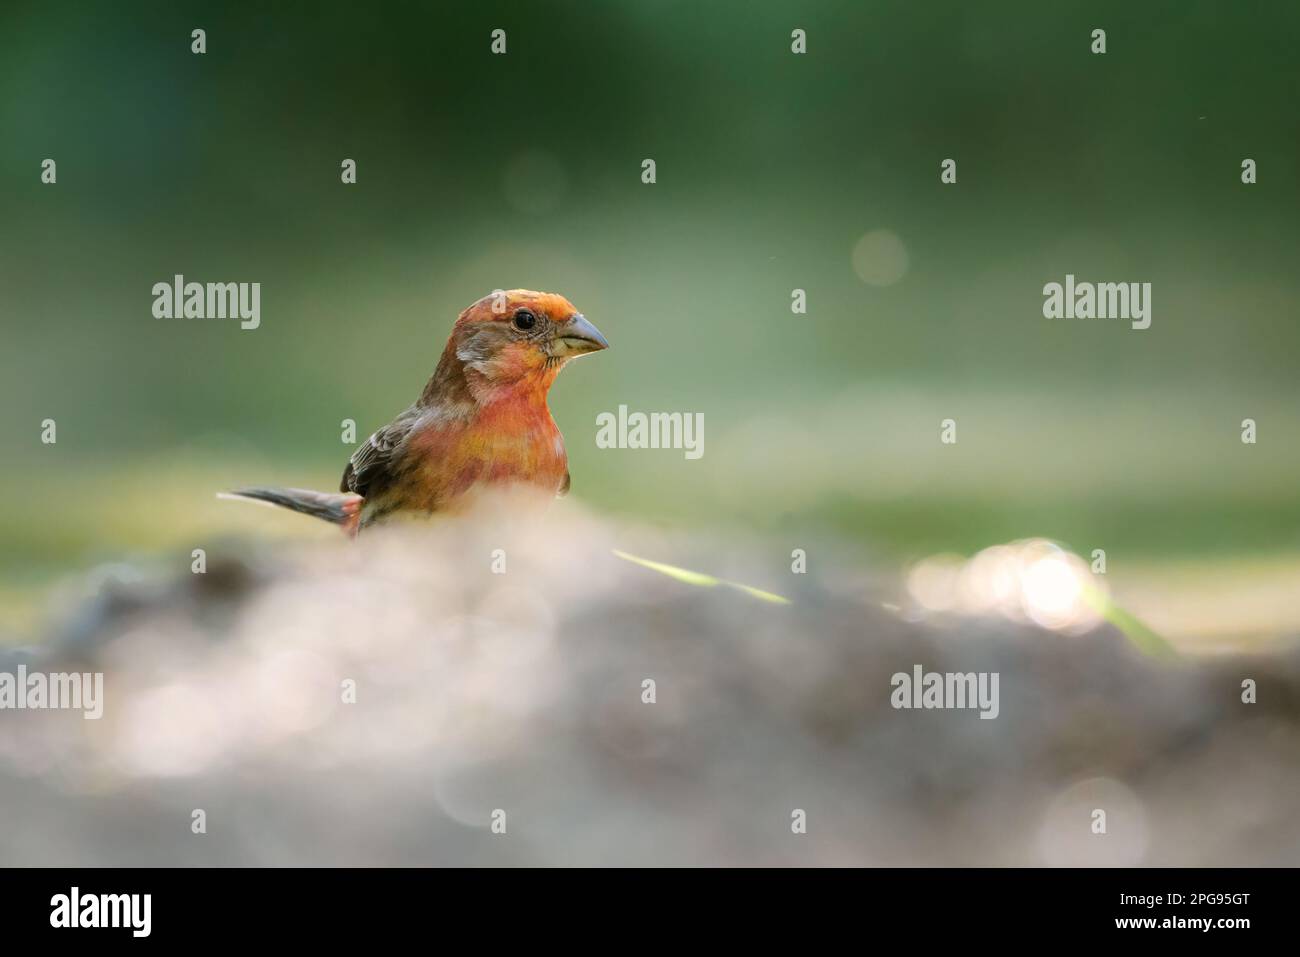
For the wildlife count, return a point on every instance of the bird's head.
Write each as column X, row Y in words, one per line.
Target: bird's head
column 518, row 336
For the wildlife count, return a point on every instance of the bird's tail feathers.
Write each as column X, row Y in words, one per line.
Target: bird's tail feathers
column 342, row 509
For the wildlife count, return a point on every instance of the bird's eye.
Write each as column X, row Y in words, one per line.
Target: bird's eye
column 525, row 319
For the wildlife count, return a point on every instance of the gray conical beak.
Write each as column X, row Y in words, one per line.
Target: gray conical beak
column 578, row 336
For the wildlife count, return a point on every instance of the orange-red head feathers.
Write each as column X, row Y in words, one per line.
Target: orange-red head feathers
column 517, row 340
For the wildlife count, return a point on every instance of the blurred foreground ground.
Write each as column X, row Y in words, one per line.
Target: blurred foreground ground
column 522, row 691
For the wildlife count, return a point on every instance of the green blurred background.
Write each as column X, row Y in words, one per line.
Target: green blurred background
column 478, row 171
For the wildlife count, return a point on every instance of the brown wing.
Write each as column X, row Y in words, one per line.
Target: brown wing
column 370, row 467
column 564, row 486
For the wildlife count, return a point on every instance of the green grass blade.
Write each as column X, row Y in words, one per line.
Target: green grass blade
column 689, row 577
column 1143, row 638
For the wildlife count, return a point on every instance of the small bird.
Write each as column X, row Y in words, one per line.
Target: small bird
column 481, row 421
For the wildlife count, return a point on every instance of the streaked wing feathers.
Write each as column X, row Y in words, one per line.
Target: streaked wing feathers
column 371, row 466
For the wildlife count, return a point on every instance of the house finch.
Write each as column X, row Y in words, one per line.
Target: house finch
column 481, row 422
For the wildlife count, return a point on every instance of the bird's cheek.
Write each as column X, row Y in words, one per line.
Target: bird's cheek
column 516, row 360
